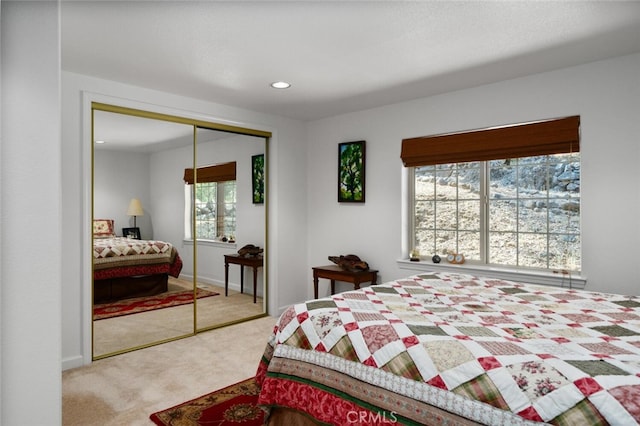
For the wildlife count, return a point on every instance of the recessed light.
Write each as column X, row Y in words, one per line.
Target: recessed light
column 280, row 85
column 99, row 141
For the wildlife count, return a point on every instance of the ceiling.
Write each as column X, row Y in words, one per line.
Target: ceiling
column 121, row 132
column 339, row 56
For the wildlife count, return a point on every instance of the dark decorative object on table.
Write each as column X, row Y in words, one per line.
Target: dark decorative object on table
column 250, row 250
column 350, row 262
column 436, row 258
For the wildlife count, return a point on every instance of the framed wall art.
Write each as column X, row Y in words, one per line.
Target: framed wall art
column 257, row 178
column 351, row 172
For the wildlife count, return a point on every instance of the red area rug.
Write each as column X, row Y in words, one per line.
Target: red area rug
column 233, row 405
column 149, row 303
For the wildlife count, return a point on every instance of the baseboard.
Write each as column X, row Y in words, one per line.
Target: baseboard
column 73, row 362
column 218, row 283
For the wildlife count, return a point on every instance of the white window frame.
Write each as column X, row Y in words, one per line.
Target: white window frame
column 189, row 215
column 561, row 278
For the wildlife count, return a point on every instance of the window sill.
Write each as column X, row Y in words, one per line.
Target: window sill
column 211, row 243
column 521, row 275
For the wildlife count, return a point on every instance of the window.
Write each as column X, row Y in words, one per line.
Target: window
column 521, row 212
column 501, row 196
column 215, row 204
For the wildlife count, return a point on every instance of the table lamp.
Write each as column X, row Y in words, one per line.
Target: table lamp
column 135, row 209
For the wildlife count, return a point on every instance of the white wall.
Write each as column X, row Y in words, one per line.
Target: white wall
column 167, row 197
column 286, row 176
column 605, row 94
column 30, row 265
column 118, row 177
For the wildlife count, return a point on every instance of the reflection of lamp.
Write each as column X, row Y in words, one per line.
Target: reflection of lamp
column 135, row 209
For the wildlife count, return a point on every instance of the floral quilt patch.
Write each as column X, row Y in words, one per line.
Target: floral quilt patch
column 536, row 379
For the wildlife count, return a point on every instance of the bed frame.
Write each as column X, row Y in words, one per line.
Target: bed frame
column 111, row 289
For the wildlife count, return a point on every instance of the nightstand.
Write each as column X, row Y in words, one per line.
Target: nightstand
column 335, row 273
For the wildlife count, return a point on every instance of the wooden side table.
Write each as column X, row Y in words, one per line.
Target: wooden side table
column 254, row 262
column 336, row 273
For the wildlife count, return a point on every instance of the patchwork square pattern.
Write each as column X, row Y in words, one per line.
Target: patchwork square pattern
column 448, row 354
column 324, row 322
column 615, row 330
column 545, row 354
column 476, row 331
column 604, row 348
column 320, row 304
column 582, row 318
column 377, row 336
column 628, row 303
column 105, row 249
column 368, row 316
column 427, row 330
column 597, row 368
column 536, row 379
column 503, row 348
column 629, row 397
column 483, row 389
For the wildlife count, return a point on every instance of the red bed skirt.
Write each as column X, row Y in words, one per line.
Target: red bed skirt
column 111, row 289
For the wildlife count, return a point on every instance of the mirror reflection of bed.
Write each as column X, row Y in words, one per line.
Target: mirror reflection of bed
column 153, row 302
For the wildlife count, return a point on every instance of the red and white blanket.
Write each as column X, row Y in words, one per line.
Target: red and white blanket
column 124, row 257
column 489, row 350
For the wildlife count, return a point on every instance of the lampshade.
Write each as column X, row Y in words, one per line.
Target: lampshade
column 135, row 208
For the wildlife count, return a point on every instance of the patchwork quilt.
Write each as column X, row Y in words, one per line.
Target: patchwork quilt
column 124, row 257
column 488, row 350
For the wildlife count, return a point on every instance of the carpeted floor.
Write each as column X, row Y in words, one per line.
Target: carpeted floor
column 126, row 389
column 116, row 334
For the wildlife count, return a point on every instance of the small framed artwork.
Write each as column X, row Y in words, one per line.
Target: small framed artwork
column 131, row 233
column 351, row 172
column 257, row 178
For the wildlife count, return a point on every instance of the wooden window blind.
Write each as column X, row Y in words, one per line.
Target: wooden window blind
column 216, row 173
column 546, row 137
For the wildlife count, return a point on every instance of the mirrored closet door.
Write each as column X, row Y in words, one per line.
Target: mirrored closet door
column 230, row 215
column 163, row 228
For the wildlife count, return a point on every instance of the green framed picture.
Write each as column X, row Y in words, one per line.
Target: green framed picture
column 351, row 172
column 257, row 178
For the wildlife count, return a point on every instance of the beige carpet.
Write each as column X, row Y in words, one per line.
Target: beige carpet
column 119, row 333
column 126, row 389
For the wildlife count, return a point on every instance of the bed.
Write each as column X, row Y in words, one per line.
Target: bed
column 124, row 267
column 455, row 349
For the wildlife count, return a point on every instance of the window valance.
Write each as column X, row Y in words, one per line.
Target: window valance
column 215, row 173
column 546, row 137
